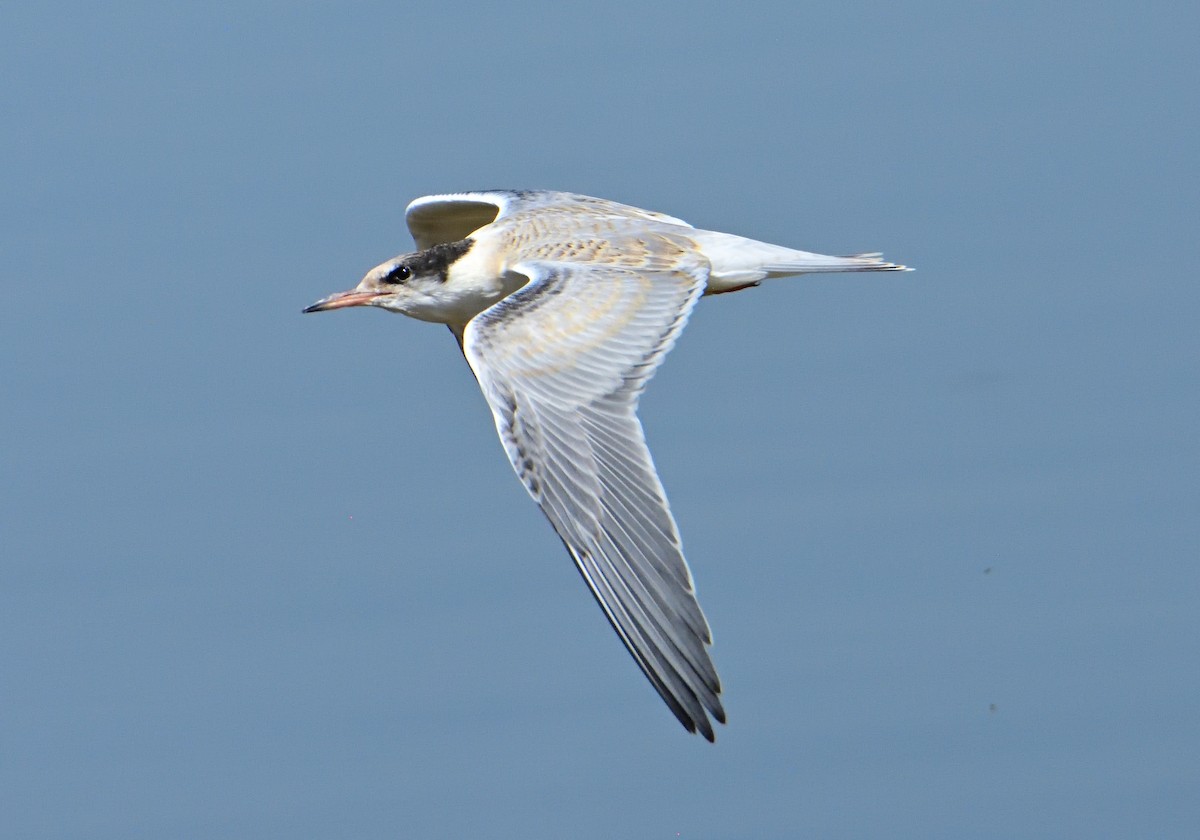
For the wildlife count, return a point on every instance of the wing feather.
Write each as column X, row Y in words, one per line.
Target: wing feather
column 437, row 219
column 562, row 363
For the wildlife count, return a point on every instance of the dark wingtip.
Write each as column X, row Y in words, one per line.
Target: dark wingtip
column 704, row 728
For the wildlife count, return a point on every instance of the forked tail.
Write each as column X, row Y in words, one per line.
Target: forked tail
column 738, row 262
column 813, row 263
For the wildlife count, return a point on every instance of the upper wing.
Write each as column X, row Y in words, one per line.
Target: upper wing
column 562, row 362
column 435, row 219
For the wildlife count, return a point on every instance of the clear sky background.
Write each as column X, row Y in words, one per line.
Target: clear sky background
column 270, row 575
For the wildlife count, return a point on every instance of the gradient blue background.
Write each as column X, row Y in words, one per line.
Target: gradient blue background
column 270, row 575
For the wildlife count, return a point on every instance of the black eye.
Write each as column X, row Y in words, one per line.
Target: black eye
column 398, row 274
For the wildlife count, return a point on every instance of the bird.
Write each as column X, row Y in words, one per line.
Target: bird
column 564, row 305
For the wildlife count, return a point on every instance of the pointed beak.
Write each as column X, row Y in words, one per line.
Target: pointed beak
column 342, row 299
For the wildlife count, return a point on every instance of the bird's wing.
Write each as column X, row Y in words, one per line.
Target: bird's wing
column 562, row 362
column 435, row 219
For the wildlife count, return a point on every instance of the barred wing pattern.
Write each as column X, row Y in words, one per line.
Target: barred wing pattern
column 562, row 363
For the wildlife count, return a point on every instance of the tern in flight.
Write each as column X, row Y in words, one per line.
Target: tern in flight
column 564, row 306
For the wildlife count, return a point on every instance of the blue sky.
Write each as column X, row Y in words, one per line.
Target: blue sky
column 270, row 575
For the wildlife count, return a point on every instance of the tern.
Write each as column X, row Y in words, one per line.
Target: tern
column 564, row 305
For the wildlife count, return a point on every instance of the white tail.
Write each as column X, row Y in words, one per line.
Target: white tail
column 738, row 262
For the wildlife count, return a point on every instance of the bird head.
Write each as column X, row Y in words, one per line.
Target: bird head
column 410, row 284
